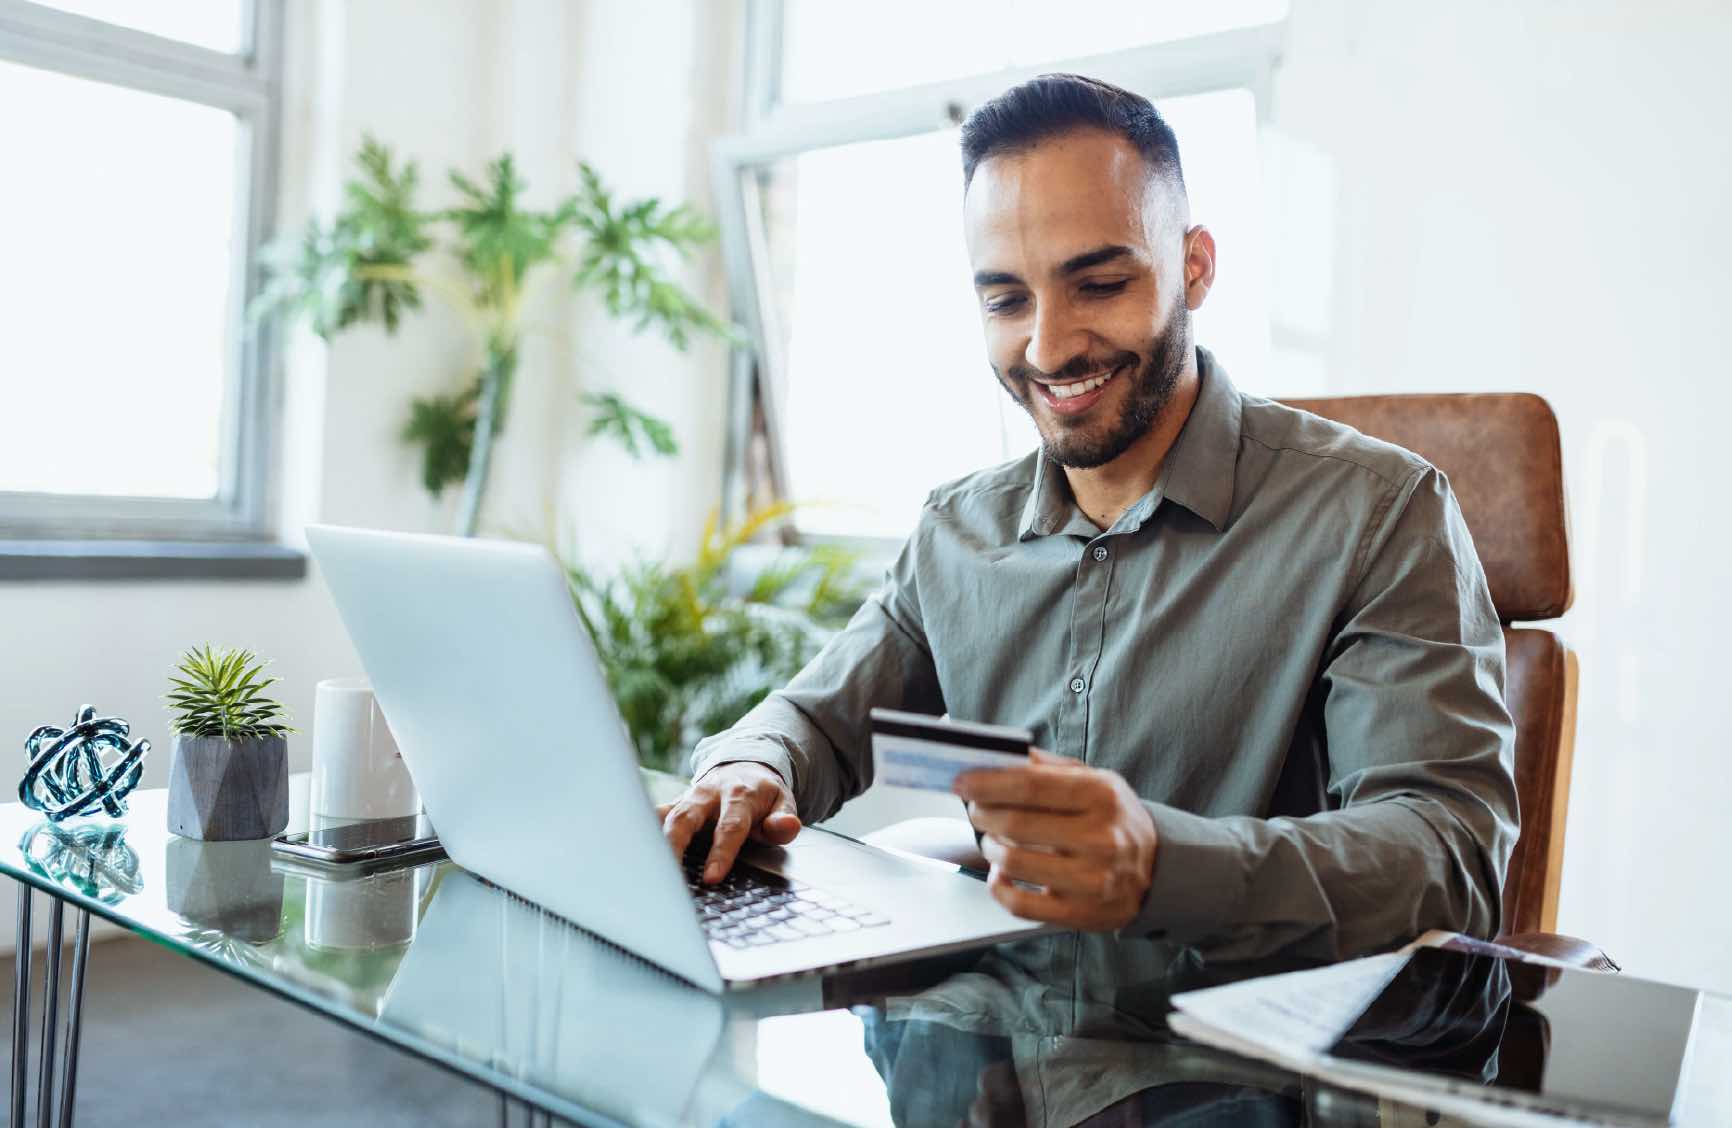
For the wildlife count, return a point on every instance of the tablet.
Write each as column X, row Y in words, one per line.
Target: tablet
column 1566, row 1041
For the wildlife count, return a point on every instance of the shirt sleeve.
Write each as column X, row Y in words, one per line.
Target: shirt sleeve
column 1422, row 796
column 816, row 732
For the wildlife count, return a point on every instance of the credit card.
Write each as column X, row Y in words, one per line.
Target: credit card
column 916, row 750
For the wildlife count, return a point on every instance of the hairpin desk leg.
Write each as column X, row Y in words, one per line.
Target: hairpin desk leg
column 74, row 1013
column 21, row 1007
column 50, row 1012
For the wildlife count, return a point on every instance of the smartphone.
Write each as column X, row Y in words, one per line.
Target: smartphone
column 374, row 842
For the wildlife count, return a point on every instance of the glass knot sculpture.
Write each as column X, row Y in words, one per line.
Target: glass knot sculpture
column 74, row 770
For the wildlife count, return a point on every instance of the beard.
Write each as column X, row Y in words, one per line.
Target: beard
column 1085, row 443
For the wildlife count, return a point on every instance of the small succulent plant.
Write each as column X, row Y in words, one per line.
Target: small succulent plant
column 221, row 693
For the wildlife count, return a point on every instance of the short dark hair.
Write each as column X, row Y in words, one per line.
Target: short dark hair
column 1052, row 104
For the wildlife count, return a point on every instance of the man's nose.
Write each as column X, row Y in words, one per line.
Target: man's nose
column 1055, row 340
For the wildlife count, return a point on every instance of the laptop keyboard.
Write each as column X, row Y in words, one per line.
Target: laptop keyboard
column 750, row 908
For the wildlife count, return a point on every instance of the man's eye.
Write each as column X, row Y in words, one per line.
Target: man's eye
column 1003, row 305
column 1100, row 289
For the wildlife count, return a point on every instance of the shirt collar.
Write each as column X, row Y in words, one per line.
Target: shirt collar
column 1200, row 467
column 1050, row 507
column 1198, row 473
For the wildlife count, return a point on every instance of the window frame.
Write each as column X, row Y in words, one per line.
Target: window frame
column 773, row 131
column 248, row 84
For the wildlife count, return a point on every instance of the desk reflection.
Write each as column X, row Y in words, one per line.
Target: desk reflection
column 92, row 858
column 554, row 1007
column 538, row 1005
column 225, row 887
column 995, row 1045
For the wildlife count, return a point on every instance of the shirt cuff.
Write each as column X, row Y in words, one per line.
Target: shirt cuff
column 1199, row 880
column 760, row 750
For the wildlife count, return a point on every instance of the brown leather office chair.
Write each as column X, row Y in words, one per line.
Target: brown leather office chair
column 1502, row 455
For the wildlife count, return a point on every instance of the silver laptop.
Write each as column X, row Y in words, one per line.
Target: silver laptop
column 495, row 695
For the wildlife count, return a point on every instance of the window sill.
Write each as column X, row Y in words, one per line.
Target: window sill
column 148, row 560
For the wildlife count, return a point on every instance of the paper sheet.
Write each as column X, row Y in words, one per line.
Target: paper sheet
column 1295, row 1016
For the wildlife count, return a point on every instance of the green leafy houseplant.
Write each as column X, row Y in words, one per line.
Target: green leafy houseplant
column 689, row 650
column 222, row 694
column 229, row 778
column 374, row 260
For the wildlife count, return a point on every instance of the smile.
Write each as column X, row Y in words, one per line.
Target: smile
column 1075, row 396
column 1066, row 391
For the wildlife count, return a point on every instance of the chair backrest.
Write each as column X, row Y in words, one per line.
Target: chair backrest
column 1502, row 456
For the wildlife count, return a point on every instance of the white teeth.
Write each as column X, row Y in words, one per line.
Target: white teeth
column 1066, row 391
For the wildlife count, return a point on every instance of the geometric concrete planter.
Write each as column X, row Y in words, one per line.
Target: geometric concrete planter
column 223, row 790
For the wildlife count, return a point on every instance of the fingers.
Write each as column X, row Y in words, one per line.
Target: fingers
column 1023, row 827
column 1081, row 882
column 777, row 828
column 737, row 818
column 782, row 823
column 1047, row 786
column 683, row 818
column 1030, row 904
column 745, row 801
column 1068, row 844
column 1059, row 873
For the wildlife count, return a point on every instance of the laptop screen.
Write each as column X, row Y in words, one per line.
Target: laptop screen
column 1575, row 1039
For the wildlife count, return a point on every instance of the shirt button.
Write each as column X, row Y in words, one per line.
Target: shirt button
column 1100, row 552
column 1077, row 685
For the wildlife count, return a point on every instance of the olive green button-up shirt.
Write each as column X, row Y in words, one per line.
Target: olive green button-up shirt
column 1287, row 648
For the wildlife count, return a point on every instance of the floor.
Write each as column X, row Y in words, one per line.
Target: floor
column 168, row 1041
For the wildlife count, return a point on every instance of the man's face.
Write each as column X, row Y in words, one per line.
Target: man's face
column 1077, row 254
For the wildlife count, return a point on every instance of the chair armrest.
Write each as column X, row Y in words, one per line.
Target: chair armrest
column 1564, row 949
column 939, row 839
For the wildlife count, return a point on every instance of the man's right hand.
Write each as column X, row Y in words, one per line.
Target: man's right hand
column 743, row 799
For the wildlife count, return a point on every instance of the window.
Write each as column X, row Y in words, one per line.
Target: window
column 139, row 142
column 871, row 384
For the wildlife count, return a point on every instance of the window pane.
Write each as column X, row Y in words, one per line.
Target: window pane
column 117, row 217
column 888, row 393
column 888, row 389
column 217, row 24
column 832, row 50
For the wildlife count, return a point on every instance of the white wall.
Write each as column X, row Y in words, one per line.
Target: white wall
column 450, row 83
column 657, row 83
column 1498, row 197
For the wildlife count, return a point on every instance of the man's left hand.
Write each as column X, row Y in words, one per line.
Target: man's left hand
column 1079, row 833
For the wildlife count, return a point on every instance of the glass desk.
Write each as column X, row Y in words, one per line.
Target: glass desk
column 1057, row 1030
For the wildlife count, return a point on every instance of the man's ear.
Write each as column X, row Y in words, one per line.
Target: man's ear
column 1199, row 265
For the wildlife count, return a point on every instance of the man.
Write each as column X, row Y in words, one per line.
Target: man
column 1259, row 645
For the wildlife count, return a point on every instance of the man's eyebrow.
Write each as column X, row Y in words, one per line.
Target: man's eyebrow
column 1094, row 258
column 1071, row 265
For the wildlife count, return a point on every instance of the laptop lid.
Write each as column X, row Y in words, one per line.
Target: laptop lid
column 497, row 699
